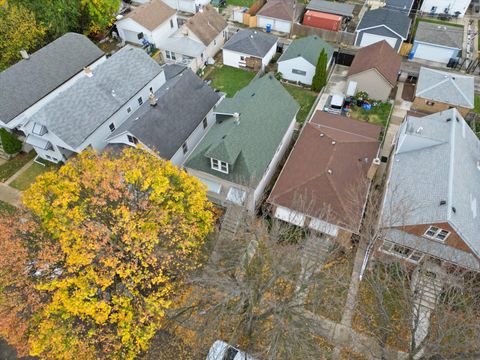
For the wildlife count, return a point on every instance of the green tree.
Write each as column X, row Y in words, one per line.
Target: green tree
column 97, row 15
column 320, row 78
column 9, row 143
column 18, row 30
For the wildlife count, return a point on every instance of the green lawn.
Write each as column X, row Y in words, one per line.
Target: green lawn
column 24, row 181
column 305, row 99
column 476, row 109
column 433, row 21
column 246, row 3
column 6, row 208
column 12, row 166
column 376, row 115
column 229, row 79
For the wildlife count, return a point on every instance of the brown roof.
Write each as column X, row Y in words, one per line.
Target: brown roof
column 326, row 175
column 279, row 9
column 152, row 14
column 380, row 56
column 206, row 24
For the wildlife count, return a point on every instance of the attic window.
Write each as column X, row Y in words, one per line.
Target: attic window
column 429, row 103
column 111, row 127
column 219, row 165
column 140, row 36
column 132, row 139
column 436, row 233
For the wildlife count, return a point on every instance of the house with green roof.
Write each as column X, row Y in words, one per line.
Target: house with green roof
column 298, row 62
column 238, row 156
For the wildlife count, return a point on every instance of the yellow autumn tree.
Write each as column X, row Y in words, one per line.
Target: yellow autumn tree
column 129, row 230
column 98, row 15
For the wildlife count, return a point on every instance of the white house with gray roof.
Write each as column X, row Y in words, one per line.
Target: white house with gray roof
column 31, row 83
column 386, row 24
column 249, row 49
column 173, row 124
column 87, row 112
column 431, row 206
column 451, row 7
column 437, row 42
column 440, row 90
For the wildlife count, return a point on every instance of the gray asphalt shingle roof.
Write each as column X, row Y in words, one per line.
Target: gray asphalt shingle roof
column 183, row 102
column 78, row 111
column 308, row 48
column 266, row 111
column 450, row 88
column 436, row 160
column 28, row 81
column 251, row 42
column 330, row 7
column 400, row 5
column 398, row 22
column 450, row 36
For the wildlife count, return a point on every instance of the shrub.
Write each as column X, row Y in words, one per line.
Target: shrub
column 10, row 144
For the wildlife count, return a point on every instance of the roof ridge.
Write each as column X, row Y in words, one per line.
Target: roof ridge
column 433, row 86
column 318, row 126
column 461, row 92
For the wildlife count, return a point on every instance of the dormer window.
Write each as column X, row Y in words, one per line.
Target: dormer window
column 219, row 165
column 436, row 233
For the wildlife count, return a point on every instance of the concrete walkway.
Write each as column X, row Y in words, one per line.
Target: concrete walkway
column 10, row 195
column 19, row 172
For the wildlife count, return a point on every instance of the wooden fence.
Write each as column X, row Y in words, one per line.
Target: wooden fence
column 339, row 37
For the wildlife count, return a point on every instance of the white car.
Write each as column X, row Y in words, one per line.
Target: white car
column 220, row 350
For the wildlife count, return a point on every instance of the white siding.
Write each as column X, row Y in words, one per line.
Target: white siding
column 190, row 6
column 299, row 63
column 128, row 30
column 434, row 53
column 323, row 227
column 232, row 58
column 441, row 5
column 290, row 216
column 271, row 53
column 369, row 39
column 277, row 24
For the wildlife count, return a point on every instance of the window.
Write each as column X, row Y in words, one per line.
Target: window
column 299, row 72
column 214, row 42
column 140, row 36
column 129, row 110
column 219, row 165
column 132, row 139
column 185, row 148
column 400, row 251
column 170, row 55
column 433, row 9
column 224, row 34
column 140, row 100
column 151, row 89
column 205, row 123
column 242, row 58
column 429, row 103
column 111, row 127
column 436, row 233
column 171, row 23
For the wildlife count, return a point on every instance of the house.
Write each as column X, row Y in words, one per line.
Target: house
column 188, row 6
column 386, row 24
column 87, row 112
column 175, row 118
column 331, row 7
column 198, row 40
column 325, row 182
column 438, row 43
column 240, row 154
column 440, row 90
column 299, row 61
column 249, row 49
column 400, row 5
column 278, row 14
column 430, row 210
column 36, row 80
column 451, row 7
column 375, row 70
column 148, row 23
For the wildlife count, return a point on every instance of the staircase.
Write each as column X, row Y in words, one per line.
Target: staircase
column 427, row 287
column 316, row 250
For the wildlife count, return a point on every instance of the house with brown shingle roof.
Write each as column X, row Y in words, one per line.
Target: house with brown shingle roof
column 375, row 70
column 153, row 22
column 198, row 40
column 279, row 14
column 326, row 180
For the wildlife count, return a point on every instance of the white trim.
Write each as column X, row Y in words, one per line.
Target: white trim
column 385, row 26
column 436, row 233
column 388, row 248
column 219, row 165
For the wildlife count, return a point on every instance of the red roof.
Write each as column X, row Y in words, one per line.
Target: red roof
column 322, row 15
column 325, row 176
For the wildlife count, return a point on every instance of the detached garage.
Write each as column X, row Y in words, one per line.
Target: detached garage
column 277, row 15
column 383, row 24
column 438, row 43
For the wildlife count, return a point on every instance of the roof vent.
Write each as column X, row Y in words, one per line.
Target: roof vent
column 443, row 202
column 236, row 117
column 254, row 31
column 454, row 210
column 330, row 171
column 334, row 142
column 253, row 94
column 251, row 36
column 24, row 54
column 322, row 134
column 458, row 120
column 152, row 100
column 87, row 71
column 449, row 119
column 113, row 93
column 419, row 130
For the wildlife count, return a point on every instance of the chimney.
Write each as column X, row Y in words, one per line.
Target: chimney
column 236, row 118
column 87, row 71
column 152, row 99
column 24, row 54
column 373, row 168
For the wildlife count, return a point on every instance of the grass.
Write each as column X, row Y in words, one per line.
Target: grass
column 24, row 181
column 245, row 3
column 376, row 115
column 6, row 208
column 476, row 108
column 8, row 169
column 229, row 79
column 433, row 21
column 305, row 99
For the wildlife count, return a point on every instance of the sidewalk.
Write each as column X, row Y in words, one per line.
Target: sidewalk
column 10, row 195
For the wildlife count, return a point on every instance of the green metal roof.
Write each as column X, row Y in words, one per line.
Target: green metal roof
column 266, row 111
column 308, row 48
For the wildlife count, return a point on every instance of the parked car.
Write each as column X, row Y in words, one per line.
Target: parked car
column 335, row 104
column 220, row 350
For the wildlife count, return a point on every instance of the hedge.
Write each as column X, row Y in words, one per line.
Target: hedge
column 10, row 144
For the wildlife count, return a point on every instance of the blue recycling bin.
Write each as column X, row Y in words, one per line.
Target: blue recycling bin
column 268, row 27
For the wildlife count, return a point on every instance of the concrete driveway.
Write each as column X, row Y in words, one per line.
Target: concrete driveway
column 336, row 84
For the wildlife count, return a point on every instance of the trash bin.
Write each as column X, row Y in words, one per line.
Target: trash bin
column 268, row 27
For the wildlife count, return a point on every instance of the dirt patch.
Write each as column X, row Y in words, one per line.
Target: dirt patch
column 408, row 93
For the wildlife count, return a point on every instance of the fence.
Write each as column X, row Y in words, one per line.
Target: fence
column 339, row 37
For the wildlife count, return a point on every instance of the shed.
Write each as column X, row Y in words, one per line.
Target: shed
column 329, row 7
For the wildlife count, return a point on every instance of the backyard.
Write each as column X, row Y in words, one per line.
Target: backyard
column 9, row 168
column 24, row 180
column 378, row 114
column 228, row 79
column 305, row 99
